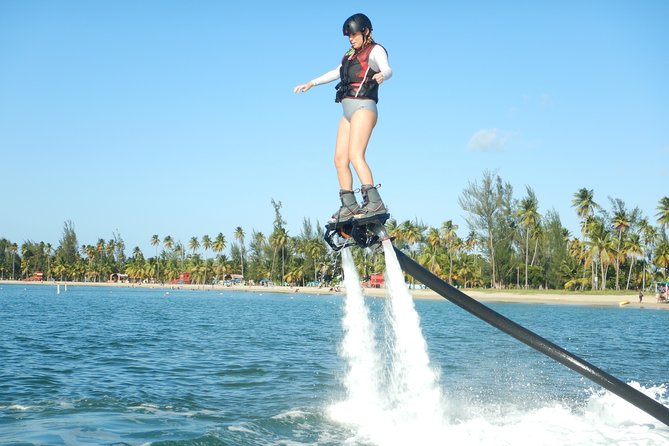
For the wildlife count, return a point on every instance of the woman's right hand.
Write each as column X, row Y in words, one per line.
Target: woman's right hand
column 303, row 88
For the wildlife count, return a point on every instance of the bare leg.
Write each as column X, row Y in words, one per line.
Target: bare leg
column 361, row 127
column 341, row 158
column 352, row 140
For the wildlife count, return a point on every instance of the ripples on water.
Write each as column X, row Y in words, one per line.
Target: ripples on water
column 137, row 366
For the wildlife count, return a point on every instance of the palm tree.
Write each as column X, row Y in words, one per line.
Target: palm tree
column 193, row 244
column 180, row 251
column 58, row 268
column 110, row 248
column 633, row 250
column 585, row 206
column 48, row 250
column 168, row 242
column 662, row 256
column 206, row 245
column 450, row 237
column 412, row 234
column 539, row 235
column 99, row 251
column 278, row 240
column 239, row 236
column 470, row 241
column 137, row 253
column 155, row 241
column 316, row 249
column 434, row 243
column 529, row 219
column 257, row 246
column 584, row 203
column 135, row 269
column 577, row 251
column 13, row 248
column 650, row 238
column 602, row 248
column 621, row 223
column 395, row 232
column 149, row 268
column 89, row 251
column 219, row 244
column 663, row 214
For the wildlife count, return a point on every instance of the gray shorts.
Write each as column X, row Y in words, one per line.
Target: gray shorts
column 351, row 105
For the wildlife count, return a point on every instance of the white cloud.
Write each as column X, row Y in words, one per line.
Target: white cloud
column 488, row 139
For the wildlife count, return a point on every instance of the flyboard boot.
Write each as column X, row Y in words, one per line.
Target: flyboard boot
column 349, row 207
column 364, row 227
column 372, row 205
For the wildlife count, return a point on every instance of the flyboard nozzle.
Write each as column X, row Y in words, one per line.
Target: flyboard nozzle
column 381, row 232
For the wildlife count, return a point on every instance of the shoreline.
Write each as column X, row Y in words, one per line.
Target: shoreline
column 482, row 296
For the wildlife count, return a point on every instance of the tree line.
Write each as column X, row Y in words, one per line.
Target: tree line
column 508, row 244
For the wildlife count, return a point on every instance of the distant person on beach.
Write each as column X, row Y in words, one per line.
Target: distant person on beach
column 640, row 295
column 363, row 68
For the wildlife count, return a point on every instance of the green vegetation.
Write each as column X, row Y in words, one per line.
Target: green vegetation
column 509, row 245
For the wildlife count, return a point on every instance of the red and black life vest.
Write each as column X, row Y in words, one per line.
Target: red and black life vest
column 356, row 76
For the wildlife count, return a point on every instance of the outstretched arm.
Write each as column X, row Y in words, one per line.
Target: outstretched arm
column 302, row 88
column 324, row 79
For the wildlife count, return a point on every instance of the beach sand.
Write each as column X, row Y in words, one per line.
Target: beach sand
column 507, row 296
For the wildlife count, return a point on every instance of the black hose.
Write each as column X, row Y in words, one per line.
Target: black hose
column 535, row 341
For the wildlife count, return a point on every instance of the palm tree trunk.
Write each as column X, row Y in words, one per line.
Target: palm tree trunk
column 536, row 248
column 493, row 281
column 527, row 253
column 450, row 268
column 283, row 265
column 629, row 276
column 620, row 237
column 432, row 259
column 271, row 272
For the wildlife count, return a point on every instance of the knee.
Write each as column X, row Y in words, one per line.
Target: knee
column 358, row 160
column 341, row 161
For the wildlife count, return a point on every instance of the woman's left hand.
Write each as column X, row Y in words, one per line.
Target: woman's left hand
column 378, row 77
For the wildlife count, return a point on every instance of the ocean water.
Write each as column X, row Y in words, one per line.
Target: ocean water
column 127, row 366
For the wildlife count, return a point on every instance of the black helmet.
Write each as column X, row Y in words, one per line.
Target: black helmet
column 357, row 23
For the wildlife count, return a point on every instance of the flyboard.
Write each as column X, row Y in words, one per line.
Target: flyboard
column 370, row 231
column 365, row 232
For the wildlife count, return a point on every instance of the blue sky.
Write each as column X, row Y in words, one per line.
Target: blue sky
column 178, row 118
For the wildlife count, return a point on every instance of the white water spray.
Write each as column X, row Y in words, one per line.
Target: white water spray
column 400, row 402
column 414, row 383
column 359, row 350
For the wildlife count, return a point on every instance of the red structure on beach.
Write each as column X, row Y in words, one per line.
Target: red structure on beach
column 184, row 279
column 375, row 281
column 37, row 277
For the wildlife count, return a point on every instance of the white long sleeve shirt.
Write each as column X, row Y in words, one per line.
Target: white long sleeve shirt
column 378, row 61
